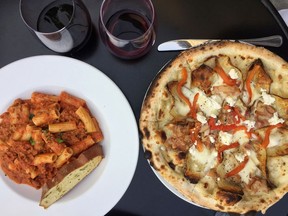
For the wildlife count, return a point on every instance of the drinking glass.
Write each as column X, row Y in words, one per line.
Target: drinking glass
column 61, row 25
column 127, row 27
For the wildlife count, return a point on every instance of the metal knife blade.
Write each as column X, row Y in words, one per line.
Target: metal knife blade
column 177, row 45
column 183, row 44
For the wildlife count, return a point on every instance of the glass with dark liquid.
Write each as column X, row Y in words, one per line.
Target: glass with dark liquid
column 62, row 25
column 127, row 27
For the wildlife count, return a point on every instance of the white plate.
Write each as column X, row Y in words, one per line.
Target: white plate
column 104, row 187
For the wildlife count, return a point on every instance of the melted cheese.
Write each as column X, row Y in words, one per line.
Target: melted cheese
column 274, row 140
column 275, row 119
column 252, row 155
column 218, row 81
column 181, row 109
column 249, row 170
column 241, row 137
column 206, row 157
column 256, row 94
column 206, row 104
column 239, row 156
column 249, row 124
column 225, row 138
column 267, row 99
column 233, row 74
column 277, row 138
column 201, row 118
column 231, row 101
column 212, row 140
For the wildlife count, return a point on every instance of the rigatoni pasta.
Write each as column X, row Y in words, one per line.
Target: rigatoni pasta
column 82, row 145
column 44, row 115
column 44, row 158
column 62, row 127
column 86, row 119
column 53, row 143
column 41, row 134
column 38, row 97
column 71, row 100
column 66, row 154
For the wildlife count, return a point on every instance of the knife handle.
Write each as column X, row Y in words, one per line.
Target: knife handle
column 272, row 41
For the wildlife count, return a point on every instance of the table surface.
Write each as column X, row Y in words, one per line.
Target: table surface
column 224, row 19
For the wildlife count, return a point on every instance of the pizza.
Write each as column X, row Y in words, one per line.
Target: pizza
column 214, row 126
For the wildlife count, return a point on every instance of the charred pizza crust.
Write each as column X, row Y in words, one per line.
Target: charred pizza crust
column 202, row 178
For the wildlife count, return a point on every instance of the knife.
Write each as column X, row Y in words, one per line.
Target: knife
column 183, row 44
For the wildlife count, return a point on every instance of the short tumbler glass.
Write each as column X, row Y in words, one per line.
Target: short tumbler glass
column 61, row 25
column 127, row 27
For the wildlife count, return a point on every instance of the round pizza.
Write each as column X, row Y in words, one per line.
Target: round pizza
column 214, row 126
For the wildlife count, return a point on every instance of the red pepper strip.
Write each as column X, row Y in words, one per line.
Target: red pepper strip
column 224, row 148
column 227, row 107
column 235, row 111
column 266, row 140
column 249, row 80
column 196, row 140
column 194, row 137
column 213, row 126
column 234, row 127
column 226, row 78
column 238, row 113
column 194, row 106
column 238, row 168
column 181, row 83
column 212, row 123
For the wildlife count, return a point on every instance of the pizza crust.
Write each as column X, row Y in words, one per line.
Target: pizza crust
column 155, row 114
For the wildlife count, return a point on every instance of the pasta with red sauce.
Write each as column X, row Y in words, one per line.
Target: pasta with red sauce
column 41, row 134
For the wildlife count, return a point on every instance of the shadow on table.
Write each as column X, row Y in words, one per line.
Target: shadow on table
column 120, row 213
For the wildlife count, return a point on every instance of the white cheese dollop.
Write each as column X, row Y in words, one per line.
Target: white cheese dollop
column 267, row 99
column 225, row 138
column 240, row 157
column 231, row 101
column 212, row 140
column 201, row 118
column 275, row 119
column 249, row 124
column 233, row 74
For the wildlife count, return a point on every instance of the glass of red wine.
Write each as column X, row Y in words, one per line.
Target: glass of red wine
column 127, row 27
column 61, row 25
